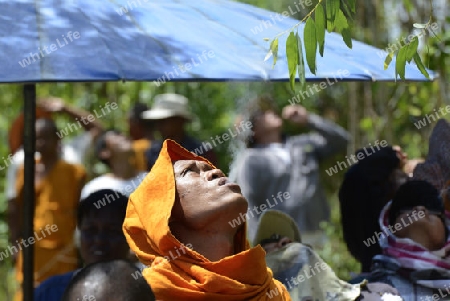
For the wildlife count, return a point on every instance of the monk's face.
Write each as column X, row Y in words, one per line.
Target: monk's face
column 47, row 141
column 205, row 195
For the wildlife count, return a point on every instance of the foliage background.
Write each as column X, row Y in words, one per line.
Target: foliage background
column 369, row 111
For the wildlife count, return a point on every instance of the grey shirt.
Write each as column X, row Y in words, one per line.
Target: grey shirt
column 287, row 178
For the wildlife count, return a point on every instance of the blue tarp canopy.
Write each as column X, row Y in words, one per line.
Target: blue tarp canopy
column 177, row 40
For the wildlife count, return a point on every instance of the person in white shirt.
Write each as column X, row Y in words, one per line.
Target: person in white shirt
column 115, row 150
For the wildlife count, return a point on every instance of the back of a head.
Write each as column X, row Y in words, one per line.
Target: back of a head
column 136, row 111
column 91, row 202
column 257, row 107
column 415, row 193
column 100, row 144
column 108, row 281
column 367, row 186
column 138, row 126
column 47, row 123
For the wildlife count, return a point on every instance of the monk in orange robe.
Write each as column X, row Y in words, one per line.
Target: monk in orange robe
column 141, row 132
column 57, row 192
column 178, row 224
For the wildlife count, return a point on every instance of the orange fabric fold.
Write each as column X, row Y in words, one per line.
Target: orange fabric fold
column 175, row 271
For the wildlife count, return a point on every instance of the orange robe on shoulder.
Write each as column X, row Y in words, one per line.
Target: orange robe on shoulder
column 56, row 201
column 140, row 147
column 176, row 272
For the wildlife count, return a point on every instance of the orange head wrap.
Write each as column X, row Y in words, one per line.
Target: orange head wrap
column 179, row 273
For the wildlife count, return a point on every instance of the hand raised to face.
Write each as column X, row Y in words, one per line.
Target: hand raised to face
column 296, row 114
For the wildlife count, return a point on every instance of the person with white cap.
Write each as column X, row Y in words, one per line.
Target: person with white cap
column 170, row 114
column 302, row 271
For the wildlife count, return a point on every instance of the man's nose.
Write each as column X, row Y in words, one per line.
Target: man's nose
column 214, row 174
column 284, row 241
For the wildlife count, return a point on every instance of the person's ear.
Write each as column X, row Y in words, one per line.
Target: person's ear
column 104, row 154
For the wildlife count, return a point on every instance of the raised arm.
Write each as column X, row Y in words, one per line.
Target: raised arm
column 57, row 105
column 330, row 138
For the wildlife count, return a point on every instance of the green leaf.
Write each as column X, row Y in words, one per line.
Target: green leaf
column 319, row 16
column 330, row 26
column 400, row 62
column 301, row 63
column 273, row 51
column 347, row 37
column 412, row 49
column 419, row 25
column 352, row 5
column 408, row 5
column 309, row 35
column 388, row 60
column 414, row 111
column 366, row 124
column 292, row 57
column 347, row 12
column 420, row 65
column 332, row 8
column 340, row 21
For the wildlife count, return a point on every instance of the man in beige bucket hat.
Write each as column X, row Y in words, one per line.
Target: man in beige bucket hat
column 302, row 271
column 171, row 114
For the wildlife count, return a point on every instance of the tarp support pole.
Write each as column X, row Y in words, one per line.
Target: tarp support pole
column 29, row 143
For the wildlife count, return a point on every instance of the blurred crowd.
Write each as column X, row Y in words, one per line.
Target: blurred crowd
column 165, row 213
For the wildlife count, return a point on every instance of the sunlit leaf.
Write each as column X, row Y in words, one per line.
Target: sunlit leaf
column 309, row 36
column 366, row 124
column 420, row 65
column 414, row 111
column 301, row 63
column 400, row 62
column 268, row 55
column 340, row 21
column 412, row 49
column 273, row 51
column 319, row 16
column 330, row 26
column 388, row 60
column 266, row 39
column 420, row 26
column 347, row 37
column 292, row 57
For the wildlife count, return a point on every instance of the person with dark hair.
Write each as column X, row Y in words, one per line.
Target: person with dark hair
column 415, row 243
column 57, row 192
column 105, row 281
column 367, row 186
column 274, row 164
column 115, row 151
column 138, row 128
column 141, row 133
column 100, row 238
column 178, row 224
column 170, row 114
